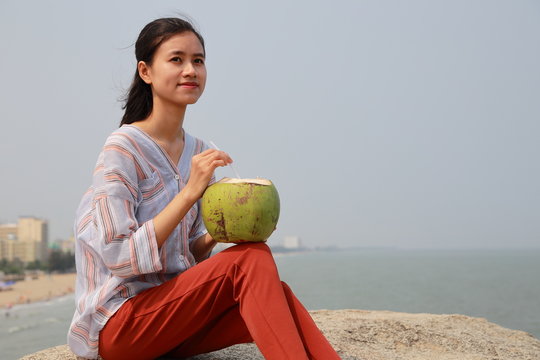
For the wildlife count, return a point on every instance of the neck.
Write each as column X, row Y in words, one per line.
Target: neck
column 165, row 122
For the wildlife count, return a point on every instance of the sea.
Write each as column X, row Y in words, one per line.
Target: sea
column 502, row 286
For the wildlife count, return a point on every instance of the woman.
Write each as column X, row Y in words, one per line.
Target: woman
column 143, row 289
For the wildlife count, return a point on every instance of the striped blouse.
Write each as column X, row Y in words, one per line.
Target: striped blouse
column 116, row 250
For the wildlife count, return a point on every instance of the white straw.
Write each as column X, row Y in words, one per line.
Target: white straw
column 233, row 169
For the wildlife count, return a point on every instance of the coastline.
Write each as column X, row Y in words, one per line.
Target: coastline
column 44, row 288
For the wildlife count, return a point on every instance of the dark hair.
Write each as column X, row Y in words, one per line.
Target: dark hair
column 138, row 100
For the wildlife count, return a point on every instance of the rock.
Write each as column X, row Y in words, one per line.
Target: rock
column 385, row 335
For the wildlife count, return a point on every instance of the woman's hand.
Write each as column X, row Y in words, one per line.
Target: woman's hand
column 202, row 169
column 202, row 247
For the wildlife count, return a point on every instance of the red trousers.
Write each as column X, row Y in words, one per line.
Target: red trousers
column 233, row 297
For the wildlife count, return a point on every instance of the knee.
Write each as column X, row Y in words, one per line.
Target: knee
column 260, row 251
column 257, row 255
column 254, row 245
column 255, row 249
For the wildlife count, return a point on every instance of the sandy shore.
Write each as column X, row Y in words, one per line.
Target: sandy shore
column 43, row 288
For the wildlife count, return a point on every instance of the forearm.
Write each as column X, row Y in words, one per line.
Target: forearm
column 202, row 168
column 172, row 214
column 202, row 246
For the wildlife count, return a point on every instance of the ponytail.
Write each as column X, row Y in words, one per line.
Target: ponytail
column 138, row 102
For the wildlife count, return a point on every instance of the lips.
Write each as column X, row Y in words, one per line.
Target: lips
column 190, row 85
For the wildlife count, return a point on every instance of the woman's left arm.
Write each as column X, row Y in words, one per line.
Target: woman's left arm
column 202, row 246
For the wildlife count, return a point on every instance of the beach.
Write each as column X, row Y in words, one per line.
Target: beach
column 44, row 288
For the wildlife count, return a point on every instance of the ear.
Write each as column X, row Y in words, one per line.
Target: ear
column 144, row 72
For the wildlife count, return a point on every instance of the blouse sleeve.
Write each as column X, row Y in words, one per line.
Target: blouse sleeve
column 126, row 247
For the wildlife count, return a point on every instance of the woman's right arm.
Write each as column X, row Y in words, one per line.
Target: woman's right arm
column 127, row 247
column 202, row 169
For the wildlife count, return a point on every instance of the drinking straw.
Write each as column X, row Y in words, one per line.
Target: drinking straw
column 232, row 167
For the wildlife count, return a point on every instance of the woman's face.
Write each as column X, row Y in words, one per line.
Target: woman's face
column 178, row 73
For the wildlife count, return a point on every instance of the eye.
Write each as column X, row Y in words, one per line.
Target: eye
column 199, row 61
column 176, row 59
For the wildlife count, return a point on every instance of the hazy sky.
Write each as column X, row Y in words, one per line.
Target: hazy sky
column 382, row 123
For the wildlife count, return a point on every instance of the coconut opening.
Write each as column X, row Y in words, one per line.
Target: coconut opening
column 258, row 181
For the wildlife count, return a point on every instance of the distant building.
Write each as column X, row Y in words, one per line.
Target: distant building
column 27, row 240
column 8, row 236
column 66, row 246
column 292, row 242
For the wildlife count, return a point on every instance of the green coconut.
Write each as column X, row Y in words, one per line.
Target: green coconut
column 240, row 210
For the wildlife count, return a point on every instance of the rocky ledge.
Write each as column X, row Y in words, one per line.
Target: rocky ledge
column 384, row 335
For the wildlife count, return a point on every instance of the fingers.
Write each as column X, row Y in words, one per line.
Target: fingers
column 217, row 163
column 203, row 166
column 213, row 157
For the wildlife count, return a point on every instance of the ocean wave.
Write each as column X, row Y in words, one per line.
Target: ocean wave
column 29, row 326
column 16, row 329
column 44, row 303
column 50, row 320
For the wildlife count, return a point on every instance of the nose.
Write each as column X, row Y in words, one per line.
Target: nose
column 189, row 70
